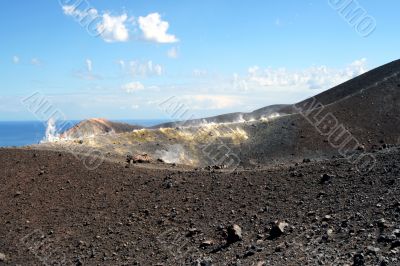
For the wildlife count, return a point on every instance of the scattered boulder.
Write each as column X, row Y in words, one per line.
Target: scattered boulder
column 234, row 234
column 277, row 230
column 2, row 257
column 140, row 158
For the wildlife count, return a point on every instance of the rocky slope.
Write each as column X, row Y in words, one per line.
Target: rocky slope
column 97, row 126
column 358, row 115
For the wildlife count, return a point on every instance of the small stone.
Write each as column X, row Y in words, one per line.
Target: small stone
column 249, row 253
column 2, row 257
column 358, row 260
column 280, row 247
column 384, row 262
column 384, row 239
column 192, row 232
column 326, row 178
column 260, row 236
column 18, row 193
column 206, row 243
column 382, row 223
column 395, row 244
column 261, row 263
column 234, row 234
column 202, row 262
column 327, row 218
column 372, row 250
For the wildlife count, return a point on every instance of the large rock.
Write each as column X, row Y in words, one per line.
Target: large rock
column 278, row 229
column 234, row 234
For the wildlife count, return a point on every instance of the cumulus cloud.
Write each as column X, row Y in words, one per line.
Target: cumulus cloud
column 132, row 87
column 173, row 52
column 144, row 69
column 113, row 28
column 110, row 28
column 116, row 28
column 155, row 29
column 317, row 77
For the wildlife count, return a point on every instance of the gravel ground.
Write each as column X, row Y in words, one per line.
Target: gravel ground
column 55, row 211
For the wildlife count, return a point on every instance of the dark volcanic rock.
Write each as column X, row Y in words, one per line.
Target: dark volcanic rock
column 358, row 260
column 277, row 230
column 234, row 234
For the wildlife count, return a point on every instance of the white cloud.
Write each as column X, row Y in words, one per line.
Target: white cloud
column 113, row 28
column 89, row 65
column 145, row 69
column 172, row 53
column 132, row 87
column 71, row 10
column 319, row 77
column 15, row 59
column 154, row 29
column 110, row 28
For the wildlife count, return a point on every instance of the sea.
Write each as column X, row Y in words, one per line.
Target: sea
column 23, row 133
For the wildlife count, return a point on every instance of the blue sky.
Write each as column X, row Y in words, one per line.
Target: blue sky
column 120, row 59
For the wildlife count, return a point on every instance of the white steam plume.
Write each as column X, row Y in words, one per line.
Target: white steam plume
column 51, row 132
